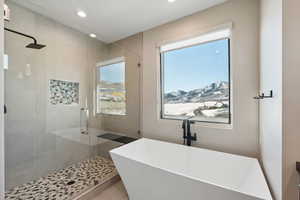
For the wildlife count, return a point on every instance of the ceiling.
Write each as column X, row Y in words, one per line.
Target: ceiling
column 112, row 20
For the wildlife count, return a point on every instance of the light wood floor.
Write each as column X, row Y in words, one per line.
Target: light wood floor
column 114, row 192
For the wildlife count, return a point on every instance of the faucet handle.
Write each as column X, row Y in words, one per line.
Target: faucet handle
column 195, row 136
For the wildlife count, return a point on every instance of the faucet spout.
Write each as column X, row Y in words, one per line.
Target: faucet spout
column 184, row 131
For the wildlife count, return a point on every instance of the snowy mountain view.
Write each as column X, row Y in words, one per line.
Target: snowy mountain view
column 210, row 103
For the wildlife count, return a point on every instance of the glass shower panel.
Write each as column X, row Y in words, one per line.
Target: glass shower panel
column 68, row 87
column 117, row 83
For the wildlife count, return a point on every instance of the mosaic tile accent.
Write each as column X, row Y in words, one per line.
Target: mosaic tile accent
column 67, row 183
column 64, row 92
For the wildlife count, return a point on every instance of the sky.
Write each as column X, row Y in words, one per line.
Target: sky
column 184, row 69
column 114, row 73
column 196, row 67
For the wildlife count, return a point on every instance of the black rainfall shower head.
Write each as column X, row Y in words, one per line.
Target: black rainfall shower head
column 35, row 46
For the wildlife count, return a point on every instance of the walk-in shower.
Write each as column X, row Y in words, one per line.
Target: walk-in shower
column 54, row 147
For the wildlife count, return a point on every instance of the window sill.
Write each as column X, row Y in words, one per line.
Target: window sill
column 200, row 124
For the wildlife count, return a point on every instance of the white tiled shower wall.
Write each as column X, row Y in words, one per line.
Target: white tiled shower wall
column 32, row 150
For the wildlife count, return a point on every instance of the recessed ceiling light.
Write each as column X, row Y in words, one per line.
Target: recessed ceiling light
column 171, row 1
column 81, row 14
column 92, row 35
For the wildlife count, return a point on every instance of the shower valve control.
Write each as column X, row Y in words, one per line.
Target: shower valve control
column 5, row 109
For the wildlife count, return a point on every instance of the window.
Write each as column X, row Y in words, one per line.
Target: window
column 111, row 92
column 195, row 79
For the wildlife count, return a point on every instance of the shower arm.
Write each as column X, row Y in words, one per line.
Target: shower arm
column 19, row 33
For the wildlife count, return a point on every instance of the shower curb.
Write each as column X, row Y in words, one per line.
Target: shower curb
column 96, row 190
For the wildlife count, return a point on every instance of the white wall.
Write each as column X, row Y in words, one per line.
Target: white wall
column 271, row 79
column 242, row 137
column 291, row 96
column 1, row 105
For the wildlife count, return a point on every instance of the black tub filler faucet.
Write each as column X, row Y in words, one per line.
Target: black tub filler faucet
column 187, row 135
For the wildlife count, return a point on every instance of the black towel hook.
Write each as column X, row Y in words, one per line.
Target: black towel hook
column 263, row 96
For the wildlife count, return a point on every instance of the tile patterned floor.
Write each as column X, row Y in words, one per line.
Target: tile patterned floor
column 67, row 183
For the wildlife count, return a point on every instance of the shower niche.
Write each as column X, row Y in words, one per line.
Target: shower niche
column 63, row 92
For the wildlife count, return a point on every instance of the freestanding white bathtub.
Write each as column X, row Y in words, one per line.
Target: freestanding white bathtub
column 155, row 170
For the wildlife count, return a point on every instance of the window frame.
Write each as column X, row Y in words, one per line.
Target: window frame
column 97, row 77
column 162, row 116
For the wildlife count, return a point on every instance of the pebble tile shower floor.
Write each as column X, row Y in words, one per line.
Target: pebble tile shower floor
column 61, row 186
